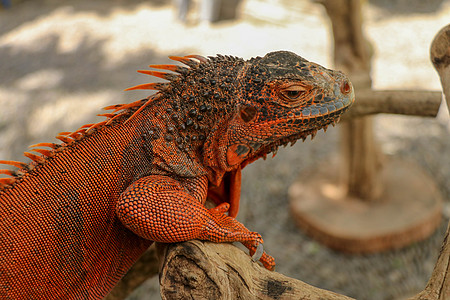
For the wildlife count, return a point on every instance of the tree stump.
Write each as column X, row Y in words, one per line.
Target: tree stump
column 362, row 201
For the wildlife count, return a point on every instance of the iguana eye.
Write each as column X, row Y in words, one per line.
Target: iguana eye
column 293, row 93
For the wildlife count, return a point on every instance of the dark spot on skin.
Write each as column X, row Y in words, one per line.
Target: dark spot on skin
column 192, row 113
column 70, row 224
column 189, row 122
column 255, row 146
column 169, row 138
column 242, row 150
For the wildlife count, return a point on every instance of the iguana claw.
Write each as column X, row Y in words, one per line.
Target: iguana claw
column 258, row 253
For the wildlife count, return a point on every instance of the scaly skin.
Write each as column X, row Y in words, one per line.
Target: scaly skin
column 74, row 220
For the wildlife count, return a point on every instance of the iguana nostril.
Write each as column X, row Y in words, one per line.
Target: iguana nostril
column 345, row 87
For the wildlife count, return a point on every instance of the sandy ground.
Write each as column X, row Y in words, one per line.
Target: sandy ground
column 61, row 61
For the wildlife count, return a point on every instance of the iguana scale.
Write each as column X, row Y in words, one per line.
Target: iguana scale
column 75, row 219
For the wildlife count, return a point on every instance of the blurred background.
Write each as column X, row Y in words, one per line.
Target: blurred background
column 61, row 61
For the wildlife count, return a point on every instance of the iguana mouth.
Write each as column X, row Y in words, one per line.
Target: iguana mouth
column 273, row 147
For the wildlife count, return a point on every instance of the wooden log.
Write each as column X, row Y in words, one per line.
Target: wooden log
column 205, row 270
column 412, row 103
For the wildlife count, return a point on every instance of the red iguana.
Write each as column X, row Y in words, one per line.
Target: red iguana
column 74, row 220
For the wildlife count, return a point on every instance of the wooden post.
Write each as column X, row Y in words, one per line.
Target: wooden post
column 363, row 201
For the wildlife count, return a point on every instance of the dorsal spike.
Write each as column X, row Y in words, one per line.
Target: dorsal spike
column 17, row 164
column 64, row 139
column 115, row 106
column 115, row 117
column 108, row 115
column 200, row 58
column 149, row 86
column 97, row 125
column 149, row 100
column 34, row 157
column 77, row 135
column 4, row 182
column 50, row 145
column 163, row 75
column 86, row 125
column 130, row 105
column 173, row 68
column 65, row 133
column 45, row 152
column 7, row 172
column 187, row 61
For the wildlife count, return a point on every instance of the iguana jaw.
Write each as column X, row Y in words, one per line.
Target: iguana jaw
column 273, row 147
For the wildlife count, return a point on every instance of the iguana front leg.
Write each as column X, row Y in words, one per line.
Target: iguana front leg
column 162, row 209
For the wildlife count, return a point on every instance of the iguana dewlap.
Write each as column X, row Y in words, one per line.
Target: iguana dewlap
column 74, row 220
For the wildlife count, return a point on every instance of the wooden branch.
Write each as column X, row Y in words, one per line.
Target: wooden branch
column 205, row 270
column 413, row 103
column 440, row 56
column 438, row 287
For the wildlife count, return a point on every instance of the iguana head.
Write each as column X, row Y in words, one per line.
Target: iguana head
column 282, row 98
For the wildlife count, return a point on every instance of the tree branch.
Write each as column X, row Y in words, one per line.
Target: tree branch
column 205, row 270
column 413, row 103
column 438, row 287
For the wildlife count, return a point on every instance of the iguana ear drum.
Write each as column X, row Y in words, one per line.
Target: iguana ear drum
column 248, row 113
